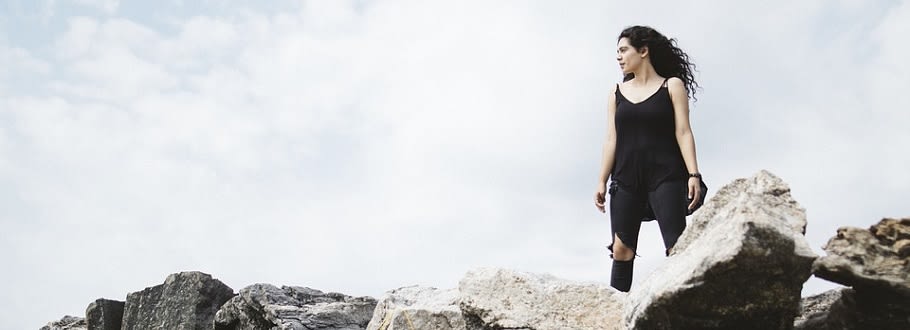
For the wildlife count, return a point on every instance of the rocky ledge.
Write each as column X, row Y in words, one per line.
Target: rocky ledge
column 875, row 263
column 740, row 264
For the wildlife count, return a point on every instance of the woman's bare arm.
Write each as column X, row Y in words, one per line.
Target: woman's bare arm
column 609, row 154
column 684, row 135
column 609, row 147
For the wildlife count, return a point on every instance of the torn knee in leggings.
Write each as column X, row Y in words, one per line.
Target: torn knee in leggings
column 625, row 239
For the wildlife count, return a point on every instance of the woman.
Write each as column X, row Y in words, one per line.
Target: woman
column 649, row 148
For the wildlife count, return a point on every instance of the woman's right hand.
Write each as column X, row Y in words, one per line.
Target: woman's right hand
column 599, row 198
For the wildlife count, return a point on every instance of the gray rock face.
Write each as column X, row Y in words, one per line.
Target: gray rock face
column 504, row 299
column 832, row 309
column 416, row 307
column 853, row 309
column 104, row 314
column 265, row 306
column 187, row 300
column 740, row 264
column 66, row 323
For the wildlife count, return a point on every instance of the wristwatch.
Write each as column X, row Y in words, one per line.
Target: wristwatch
column 695, row 175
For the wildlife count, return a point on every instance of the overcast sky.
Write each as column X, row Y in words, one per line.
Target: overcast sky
column 361, row 146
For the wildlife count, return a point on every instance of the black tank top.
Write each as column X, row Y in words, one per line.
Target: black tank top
column 647, row 152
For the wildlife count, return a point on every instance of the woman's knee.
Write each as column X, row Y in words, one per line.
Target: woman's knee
column 621, row 251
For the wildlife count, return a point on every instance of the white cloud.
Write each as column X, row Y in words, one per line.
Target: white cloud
column 17, row 60
column 408, row 141
column 106, row 6
column 78, row 38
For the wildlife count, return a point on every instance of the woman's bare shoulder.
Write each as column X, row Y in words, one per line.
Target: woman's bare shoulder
column 675, row 82
column 676, row 86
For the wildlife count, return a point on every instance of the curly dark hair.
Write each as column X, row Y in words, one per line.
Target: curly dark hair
column 668, row 59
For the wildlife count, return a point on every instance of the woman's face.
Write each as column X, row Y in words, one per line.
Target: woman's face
column 628, row 57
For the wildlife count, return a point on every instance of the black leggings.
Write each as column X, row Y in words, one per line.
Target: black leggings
column 627, row 208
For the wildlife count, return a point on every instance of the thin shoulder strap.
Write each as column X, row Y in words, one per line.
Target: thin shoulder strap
column 665, row 82
column 617, row 93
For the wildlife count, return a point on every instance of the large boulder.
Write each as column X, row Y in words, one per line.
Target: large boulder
column 875, row 262
column 505, row 299
column 104, row 314
column 417, row 307
column 68, row 322
column 740, row 264
column 265, row 306
column 187, row 300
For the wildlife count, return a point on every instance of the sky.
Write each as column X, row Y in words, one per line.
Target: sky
column 361, row 146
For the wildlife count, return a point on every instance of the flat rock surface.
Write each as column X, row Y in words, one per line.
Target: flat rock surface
column 505, row 299
column 416, row 307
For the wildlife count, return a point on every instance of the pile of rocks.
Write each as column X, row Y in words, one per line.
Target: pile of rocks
column 195, row 300
column 741, row 263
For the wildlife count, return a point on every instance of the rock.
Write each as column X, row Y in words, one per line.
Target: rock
column 740, row 264
column 66, row 323
column 265, row 306
column 854, row 309
column 873, row 259
column 763, row 193
column 104, row 314
column 876, row 309
column 504, row 299
column 876, row 263
column 832, row 309
column 416, row 307
column 186, row 300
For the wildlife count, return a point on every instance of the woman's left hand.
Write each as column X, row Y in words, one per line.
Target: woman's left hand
column 694, row 192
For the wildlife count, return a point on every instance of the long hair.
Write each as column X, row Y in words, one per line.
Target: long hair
column 668, row 59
